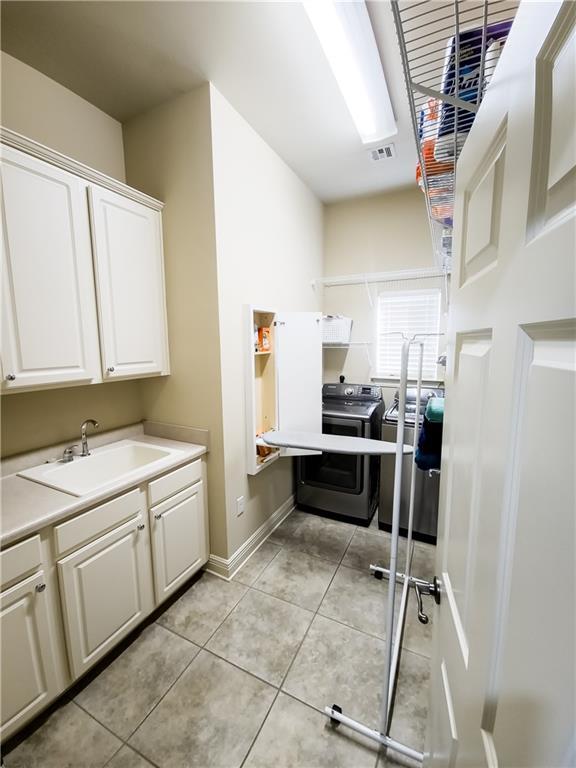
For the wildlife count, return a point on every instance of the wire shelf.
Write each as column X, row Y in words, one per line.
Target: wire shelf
column 449, row 51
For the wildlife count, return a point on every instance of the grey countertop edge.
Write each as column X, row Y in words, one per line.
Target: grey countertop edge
column 59, row 505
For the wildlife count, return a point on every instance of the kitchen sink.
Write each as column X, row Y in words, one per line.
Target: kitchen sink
column 105, row 466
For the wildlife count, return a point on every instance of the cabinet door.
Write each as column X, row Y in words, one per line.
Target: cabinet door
column 179, row 539
column 127, row 238
column 299, row 374
column 106, row 591
column 28, row 668
column 49, row 327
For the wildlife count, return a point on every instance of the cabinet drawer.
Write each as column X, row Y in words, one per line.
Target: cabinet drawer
column 160, row 489
column 87, row 526
column 19, row 560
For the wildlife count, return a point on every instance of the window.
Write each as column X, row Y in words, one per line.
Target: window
column 407, row 312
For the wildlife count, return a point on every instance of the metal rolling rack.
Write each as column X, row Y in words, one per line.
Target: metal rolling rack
column 433, row 35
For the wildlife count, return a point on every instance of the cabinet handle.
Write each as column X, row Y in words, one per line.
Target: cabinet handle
column 10, row 377
column 157, row 516
column 111, row 369
column 40, row 587
column 141, row 527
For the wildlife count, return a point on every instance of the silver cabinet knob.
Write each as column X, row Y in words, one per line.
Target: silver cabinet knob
column 157, row 516
column 40, row 587
column 111, row 369
column 10, row 377
column 141, row 527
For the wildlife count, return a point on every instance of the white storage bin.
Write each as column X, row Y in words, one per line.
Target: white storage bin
column 336, row 329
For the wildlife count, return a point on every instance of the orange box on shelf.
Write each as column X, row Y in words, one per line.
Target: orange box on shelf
column 264, row 339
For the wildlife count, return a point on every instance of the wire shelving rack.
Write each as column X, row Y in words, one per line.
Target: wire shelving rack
column 449, row 51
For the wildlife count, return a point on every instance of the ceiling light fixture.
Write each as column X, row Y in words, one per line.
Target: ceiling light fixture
column 347, row 38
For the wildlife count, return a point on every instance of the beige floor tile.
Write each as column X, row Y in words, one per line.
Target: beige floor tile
column 127, row 690
column 296, row 736
column 372, row 548
column 321, row 537
column 262, row 635
column 127, row 758
column 202, row 608
column 257, row 562
column 68, row 739
column 359, row 600
column 338, row 665
column 297, row 577
column 209, row 718
column 411, row 703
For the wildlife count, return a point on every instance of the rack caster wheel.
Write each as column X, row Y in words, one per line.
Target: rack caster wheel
column 335, row 723
column 378, row 575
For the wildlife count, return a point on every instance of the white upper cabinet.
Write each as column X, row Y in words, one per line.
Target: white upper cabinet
column 49, row 327
column 127, row 239
column 83, row 296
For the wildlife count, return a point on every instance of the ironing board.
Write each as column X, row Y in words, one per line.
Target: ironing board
column 316, row 441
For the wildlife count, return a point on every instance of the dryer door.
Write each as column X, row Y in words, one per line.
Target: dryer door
column 341, row 472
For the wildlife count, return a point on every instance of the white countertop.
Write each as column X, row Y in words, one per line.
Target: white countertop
column 27, row 506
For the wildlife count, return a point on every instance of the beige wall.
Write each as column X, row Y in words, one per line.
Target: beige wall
column 40, row 108
column 43, row 110
column 168, row 155
column 269, row 243
column 379, row 233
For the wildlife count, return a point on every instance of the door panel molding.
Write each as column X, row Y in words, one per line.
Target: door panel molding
column 551, row 188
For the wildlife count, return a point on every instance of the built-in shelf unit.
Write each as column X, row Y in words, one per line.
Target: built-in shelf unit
column 283, row 383
column 261, row 410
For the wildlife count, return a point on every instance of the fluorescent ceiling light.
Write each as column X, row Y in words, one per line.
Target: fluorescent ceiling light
column 347, row 38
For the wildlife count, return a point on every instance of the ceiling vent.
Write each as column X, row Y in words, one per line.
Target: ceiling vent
column 385, row 152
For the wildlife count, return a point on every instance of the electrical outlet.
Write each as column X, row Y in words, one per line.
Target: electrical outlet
column 239, row 506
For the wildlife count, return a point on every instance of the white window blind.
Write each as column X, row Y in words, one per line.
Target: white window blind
column 407, row 312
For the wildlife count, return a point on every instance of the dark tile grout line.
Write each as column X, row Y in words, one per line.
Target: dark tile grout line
column 125, row 742
column 315, row 613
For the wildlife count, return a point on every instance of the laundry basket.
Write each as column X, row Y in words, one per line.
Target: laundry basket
column 336, row 329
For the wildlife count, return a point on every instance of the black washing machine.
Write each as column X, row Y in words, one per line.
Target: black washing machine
column 343, row 486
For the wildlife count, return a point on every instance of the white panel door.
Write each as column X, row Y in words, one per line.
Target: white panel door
column 299, row 374
column 106, row 590
column 179, row 539
column 28, row 668
column 127, row 239
column 49, row 327
column 503, row 683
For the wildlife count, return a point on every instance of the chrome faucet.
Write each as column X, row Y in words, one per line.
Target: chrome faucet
column 85, row 451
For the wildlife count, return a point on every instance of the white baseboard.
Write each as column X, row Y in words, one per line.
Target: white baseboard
column 226, row 568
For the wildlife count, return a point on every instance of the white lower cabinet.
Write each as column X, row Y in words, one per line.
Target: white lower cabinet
column 179, row 539
column 29, row 679
column 106, row 591
column 109, row 561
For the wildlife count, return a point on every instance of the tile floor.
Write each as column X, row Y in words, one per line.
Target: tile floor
column 237, row 673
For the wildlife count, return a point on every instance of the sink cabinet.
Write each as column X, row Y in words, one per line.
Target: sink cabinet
column 111, row 566
column 179, row 539
column 106, row 590
column 82, row 276
column 28, row 668
column 28, row 656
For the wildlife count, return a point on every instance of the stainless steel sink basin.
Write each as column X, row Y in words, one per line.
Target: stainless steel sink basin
column 105, row 466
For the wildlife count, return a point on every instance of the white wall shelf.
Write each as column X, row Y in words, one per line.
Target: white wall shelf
column 346, row 345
